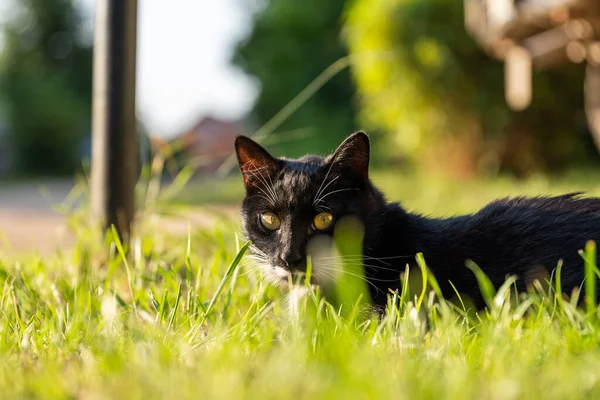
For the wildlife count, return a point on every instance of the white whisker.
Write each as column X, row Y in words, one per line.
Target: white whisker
column 336, row 191
column 268, row 191
column 317, row 197
column 324, row 180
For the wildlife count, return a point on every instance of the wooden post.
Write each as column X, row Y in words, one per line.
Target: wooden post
column 114, row 149
column 592, row 100
column 517, row 78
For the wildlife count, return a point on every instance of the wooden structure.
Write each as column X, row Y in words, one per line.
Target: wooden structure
column 529, row 34
column 114, row 143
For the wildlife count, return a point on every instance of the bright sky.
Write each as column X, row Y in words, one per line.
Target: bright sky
column 184, row 47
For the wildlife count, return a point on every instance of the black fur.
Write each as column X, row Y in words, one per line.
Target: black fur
column 519, row 236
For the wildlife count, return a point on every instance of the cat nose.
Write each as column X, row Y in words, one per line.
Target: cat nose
column 291, row 263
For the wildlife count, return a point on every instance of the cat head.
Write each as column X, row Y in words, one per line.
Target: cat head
column 292, row 207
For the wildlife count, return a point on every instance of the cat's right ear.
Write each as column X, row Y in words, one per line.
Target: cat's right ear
column 255, row 162
column 353, row 154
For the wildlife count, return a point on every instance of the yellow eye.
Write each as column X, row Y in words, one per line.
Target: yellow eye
column 270, row 221
column 322, row 221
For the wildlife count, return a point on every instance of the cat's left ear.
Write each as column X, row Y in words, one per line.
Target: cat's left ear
column 255, row 162
column 353, row 154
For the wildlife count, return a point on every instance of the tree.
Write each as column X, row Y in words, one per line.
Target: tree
column 291, row 43
column 440, row 99
column 45, row 85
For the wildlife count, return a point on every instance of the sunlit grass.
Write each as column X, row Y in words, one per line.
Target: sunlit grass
column 437, row 195
column 187, row 317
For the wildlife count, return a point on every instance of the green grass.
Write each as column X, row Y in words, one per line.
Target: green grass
column 180, row 318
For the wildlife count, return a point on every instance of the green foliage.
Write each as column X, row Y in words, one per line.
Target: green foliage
column 290, row 45
column 45, row 85
column 440, row 99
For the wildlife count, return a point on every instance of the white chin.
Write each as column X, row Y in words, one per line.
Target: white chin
column 280, row 272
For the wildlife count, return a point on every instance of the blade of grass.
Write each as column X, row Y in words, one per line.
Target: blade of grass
column 558, row 282
column 232, row 267
column 174, row 311
column 590, row 276
column 405, row 288
column 153, row 300
column 485, row 284
column 121, row 251
column 230, row 292
column 421, row 263
column 188, row 262
column 164, row 306
column 308, row 276
column 233, row 280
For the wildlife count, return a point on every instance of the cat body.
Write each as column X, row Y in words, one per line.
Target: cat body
column 292, row 204
column 525, row 237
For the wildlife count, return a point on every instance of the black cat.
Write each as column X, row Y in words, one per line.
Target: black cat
column 290, row 204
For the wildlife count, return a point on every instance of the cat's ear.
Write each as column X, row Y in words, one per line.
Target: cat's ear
column 353, row 154
column 255, row 162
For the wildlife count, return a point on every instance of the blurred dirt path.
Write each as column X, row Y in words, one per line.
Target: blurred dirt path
column 30, row 223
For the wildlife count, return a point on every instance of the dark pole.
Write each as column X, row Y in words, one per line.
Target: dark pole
column 114, row 148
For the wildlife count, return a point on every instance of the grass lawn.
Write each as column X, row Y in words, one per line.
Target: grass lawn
column 183, row 319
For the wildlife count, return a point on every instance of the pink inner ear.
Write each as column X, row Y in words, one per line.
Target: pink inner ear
column 252, row 171
column 255, row 163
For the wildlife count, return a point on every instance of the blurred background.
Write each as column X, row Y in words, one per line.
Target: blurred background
column 425, row 78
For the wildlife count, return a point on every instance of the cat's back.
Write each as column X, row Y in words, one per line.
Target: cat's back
column 529, row 230
column 566, row 211
column 567, row 203
column 511, row 236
